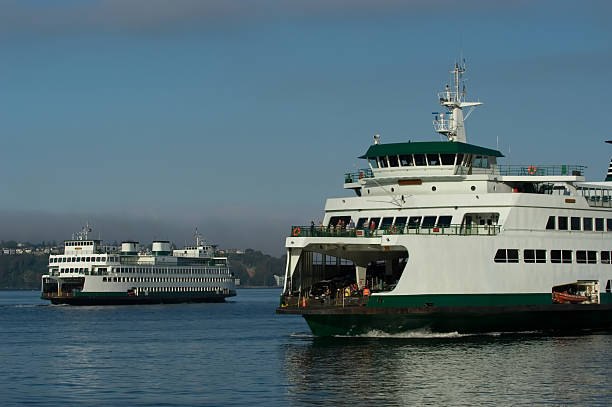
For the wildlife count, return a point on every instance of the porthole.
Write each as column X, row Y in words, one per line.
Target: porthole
column 368, row 191
column 433, row 188
column 392, row 189
column 473, row 188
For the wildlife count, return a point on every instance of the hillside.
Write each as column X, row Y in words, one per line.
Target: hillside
column 21, row 272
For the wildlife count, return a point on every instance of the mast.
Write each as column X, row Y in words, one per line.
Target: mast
column 609, row 174
column 451, row 123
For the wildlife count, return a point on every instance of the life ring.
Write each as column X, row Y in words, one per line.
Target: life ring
column 297, row 231
column 531, row 170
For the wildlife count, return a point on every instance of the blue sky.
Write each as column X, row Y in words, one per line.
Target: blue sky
column 151, row 117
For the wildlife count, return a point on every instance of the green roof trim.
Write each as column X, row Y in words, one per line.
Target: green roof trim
column 428, row 147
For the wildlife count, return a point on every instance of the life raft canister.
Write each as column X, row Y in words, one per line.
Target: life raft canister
column 360, row 174
column 366, row 291
column 531, row 170
column 297, row 231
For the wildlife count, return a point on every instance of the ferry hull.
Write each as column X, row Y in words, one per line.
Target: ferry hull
column 134, row 300
column 464, row 320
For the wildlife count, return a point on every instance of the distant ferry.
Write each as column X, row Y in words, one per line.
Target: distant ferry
column 89, row 273
column 442, row 237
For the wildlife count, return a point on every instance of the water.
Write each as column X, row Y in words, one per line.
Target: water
column 241, row 353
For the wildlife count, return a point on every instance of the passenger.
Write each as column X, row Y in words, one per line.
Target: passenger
column 351, row 224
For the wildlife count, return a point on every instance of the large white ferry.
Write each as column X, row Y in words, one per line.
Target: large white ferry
column 89, row 273
column 442, row 237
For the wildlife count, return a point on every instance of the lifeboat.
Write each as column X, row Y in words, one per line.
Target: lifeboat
column 565, row 298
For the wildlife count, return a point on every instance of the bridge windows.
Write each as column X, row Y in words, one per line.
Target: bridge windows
column 550, row 225
column 433, row 159
column 587, row 224
column 393, row 162
column 419, row 160
column 562, row 222
column 406, row 160
column 599, row 224
column 575, row 223
column 447, row 159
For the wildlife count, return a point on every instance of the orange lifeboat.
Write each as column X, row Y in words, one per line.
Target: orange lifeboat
column 565, row 298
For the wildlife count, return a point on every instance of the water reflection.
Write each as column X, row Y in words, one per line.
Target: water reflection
column 517, row 369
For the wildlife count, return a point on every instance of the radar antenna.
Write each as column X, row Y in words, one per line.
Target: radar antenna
column 451, row 123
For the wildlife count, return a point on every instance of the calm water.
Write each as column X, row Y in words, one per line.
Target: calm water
column 241, row 353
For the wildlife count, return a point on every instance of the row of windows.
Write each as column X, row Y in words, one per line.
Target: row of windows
column 181, row 289
column 556, row 256
column 163, row 280
column 421, row 160
column 79, row 243
column 170, row 270
column 578, row 223
column 78, row 259
column 414, row 222
column 153, row 270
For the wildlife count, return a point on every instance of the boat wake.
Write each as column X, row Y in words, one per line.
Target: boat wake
column 417, row 334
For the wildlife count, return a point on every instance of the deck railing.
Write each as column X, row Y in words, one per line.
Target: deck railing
column 350, row 177
column 543, row 170
column 463, row 230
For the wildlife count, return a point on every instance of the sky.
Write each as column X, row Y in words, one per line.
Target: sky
column 149, row 118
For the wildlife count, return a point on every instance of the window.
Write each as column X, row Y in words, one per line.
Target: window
column 575, row 223
column 513, row 256
column 414, row 222
column 459, row 159
column 581, row 257
column 609, row 225
column 400, row 222
column 555, row 256
column 376, row 222
column 599, row 224
column 444, row 221
column 419, row 159
column 605, row 257
column 386, row 222
column 373, row 162
column 447, row 159
column 406, row 160
column 562, row 222
column 587, row 224
column 383, row 162
column 361, row 222
column 591, row 257
column 550, row 225
column 566, row 256
column 393, row 161
column 506, row 256
column 433, row 159
column 429, row 221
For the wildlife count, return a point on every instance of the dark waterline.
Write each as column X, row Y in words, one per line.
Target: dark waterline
column 241, row 353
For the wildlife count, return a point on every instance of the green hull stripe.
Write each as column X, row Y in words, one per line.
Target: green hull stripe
column 455, row 300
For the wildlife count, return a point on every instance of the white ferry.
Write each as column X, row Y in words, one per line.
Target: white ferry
column 440, row 236
column 89, row 273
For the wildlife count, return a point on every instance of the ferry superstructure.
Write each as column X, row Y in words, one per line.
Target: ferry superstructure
column 89, row 273
column 440, row 236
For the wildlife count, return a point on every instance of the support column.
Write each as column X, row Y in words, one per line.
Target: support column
column 360, row 276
